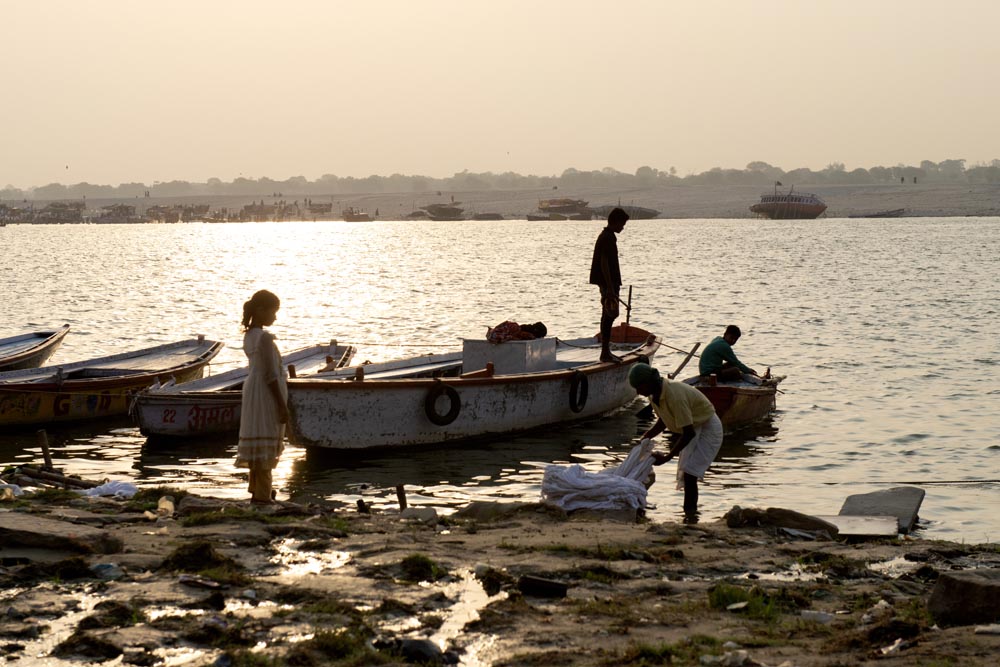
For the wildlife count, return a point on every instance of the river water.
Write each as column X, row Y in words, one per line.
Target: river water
column 886, row 329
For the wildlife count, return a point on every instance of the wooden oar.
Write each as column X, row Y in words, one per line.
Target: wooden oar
column 686, row 360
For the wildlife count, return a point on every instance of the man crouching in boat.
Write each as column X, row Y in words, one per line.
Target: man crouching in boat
column 695, row 428
column 718, row 358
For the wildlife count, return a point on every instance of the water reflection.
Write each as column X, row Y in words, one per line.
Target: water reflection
column 509, row 468
column 743, row 452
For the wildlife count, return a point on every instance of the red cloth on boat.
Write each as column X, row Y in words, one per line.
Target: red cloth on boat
column 506, row 331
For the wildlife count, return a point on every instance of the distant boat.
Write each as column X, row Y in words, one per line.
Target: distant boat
column 352, row 214
column 445, row 211
column 790, row 206
column 634, row 212
column 563, row 205
column 893, row 213
column 487, row 216
column 30, row 350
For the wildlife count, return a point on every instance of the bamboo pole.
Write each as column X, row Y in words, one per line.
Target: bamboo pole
column 38, row 473
column 43, row 441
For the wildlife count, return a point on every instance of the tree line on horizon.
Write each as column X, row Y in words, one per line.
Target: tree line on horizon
column 756, row 173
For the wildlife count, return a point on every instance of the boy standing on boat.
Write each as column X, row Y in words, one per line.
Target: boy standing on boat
column 606, row 274
column 690, row 417
column 719, row 359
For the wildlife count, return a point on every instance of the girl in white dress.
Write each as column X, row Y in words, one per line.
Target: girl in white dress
column 264, row 411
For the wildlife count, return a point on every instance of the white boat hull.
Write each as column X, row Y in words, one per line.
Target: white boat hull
column 211, row 406
column 365, row 414
column 188, row 414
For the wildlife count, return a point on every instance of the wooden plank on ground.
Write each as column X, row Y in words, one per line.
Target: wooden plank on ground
column 863, row 526
column 902, row 502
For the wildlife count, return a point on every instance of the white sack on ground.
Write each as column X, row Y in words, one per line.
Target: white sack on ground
column 623, row 487
column 116, row 489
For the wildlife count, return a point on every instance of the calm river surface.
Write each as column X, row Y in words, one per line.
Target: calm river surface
column 886, row 329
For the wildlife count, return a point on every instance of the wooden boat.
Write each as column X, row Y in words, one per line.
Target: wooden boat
column 502, row 389
column 212, row 404
column 790, row 206
column 97, row 387
column 30, row 350
column 739, row 404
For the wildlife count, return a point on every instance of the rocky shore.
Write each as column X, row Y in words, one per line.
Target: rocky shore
column 168, row 577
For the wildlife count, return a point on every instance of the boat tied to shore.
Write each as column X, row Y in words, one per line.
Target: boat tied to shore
column 788, row 206
column 486, row 390
column 212, row 405
column 30, row 350
column 97, row 388
column 739, row 404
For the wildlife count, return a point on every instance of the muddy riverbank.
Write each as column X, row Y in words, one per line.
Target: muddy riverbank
column 201, row 581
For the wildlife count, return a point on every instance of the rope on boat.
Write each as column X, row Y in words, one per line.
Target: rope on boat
column 560, row 341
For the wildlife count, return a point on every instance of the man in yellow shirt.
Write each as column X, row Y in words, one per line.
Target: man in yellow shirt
column 690, row 418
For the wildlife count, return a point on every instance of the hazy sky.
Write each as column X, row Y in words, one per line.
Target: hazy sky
column 113, row 91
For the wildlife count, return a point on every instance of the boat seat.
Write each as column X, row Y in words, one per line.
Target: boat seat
column 430, row 370
column 481, row 373
column 95, row 373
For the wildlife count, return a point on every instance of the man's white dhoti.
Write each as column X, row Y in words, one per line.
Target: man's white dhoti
column 700, row 452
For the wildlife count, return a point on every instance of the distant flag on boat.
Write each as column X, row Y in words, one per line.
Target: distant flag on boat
column 777, row 182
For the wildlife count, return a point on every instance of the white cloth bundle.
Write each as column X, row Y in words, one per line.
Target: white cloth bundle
column 116, row 489
column 623, row 487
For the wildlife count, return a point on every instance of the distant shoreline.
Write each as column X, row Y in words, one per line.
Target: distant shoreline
column 674, row 201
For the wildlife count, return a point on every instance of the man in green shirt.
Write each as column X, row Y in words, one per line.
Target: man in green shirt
column 719, row 359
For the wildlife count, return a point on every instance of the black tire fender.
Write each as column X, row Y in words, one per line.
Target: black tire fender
column 579, row 386
column 454, row 404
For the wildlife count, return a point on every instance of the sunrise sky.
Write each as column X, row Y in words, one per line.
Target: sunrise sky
column 111, row 91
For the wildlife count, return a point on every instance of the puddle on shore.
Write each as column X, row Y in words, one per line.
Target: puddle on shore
column 793, row 573
column 173, row 657
column 291, row 561
column 470, row 598
column 474, row 649
column 894, row 567
column 57, row 629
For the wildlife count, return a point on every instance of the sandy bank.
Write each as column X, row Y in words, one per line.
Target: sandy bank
column 309, row 585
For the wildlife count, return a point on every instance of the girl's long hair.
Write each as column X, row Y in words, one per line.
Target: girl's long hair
column 260, row 300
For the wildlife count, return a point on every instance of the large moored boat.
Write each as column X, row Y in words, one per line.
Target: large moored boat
column 790, row 206
column 564, row 206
